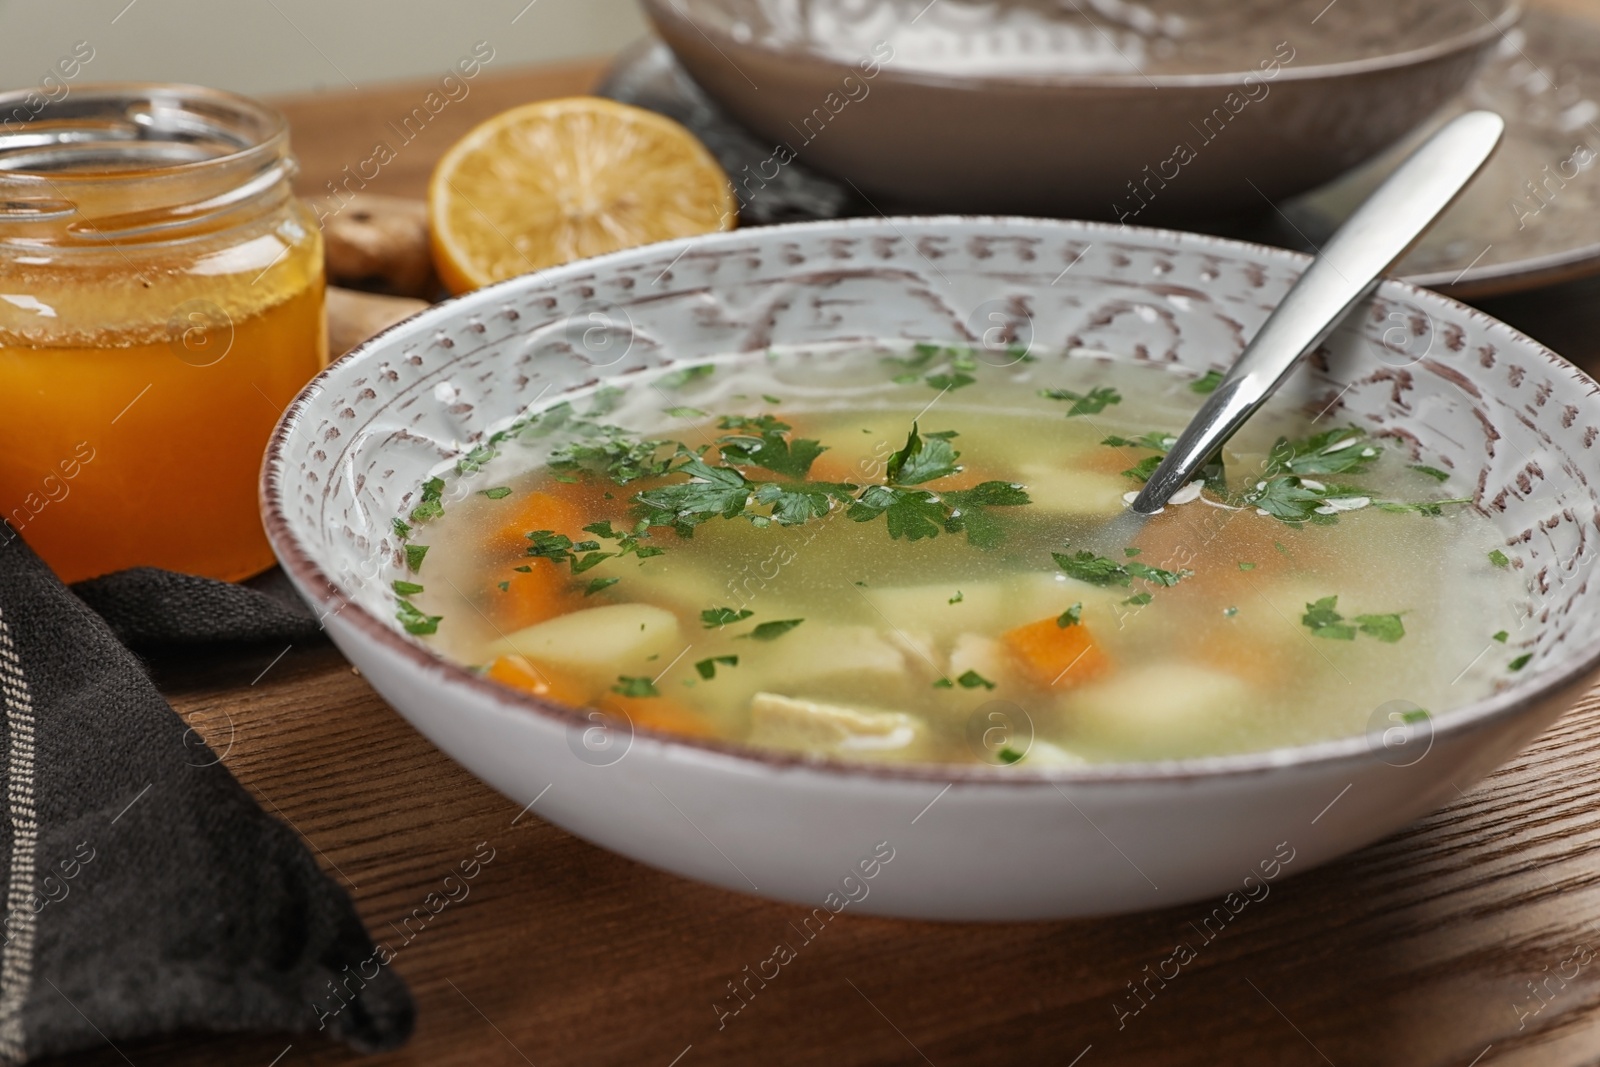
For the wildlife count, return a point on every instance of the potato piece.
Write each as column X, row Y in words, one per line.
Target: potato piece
column 986, row 656
column 599, row 643
column 1063, row 491
column 1158, row 711
column 807, row 726
column 817, row 651
column 1043, row 594
column 927, row 608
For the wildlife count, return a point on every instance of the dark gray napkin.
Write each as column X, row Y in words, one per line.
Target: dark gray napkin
column 146, row 892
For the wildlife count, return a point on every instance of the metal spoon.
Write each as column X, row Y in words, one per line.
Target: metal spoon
column 1347, row 269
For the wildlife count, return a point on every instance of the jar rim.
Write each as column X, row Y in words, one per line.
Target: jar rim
column 117, row 162
column 201, row 130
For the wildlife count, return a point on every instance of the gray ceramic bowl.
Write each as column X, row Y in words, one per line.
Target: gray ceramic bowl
column 1099, row 109
column 1518, row 426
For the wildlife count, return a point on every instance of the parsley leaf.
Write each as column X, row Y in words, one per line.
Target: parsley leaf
column 912, row 513
column 1140, row 599
column 1160, row 442
column 635, row 687
column 1098, row 570
column 684, row 413
column 1207, row 382
column 1323, row 620
column 708, row 667
column 1345, row 450
column 683, row 376
column 1499, row 559
column 1093, row 402
column 771, row 631
column 402, row 529
column 767, row 447
column 923, row 459
column 1520, row 662
column 1502, row 636
column 1009, row 755
column 415, row 621
column 597, row 584
column 1386, row 628
column 1433, row 472
column 499, row 492
column 973, row 680
column 431, row 506
column 958, row 598
column 402, row 588
column 952, row 381
column 710, row 492
column 969, row 515
column 715, row 618
column 794, row 503
column 414, row 555
column 1071, row 617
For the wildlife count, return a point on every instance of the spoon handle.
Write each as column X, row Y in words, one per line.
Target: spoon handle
column 1345, row 271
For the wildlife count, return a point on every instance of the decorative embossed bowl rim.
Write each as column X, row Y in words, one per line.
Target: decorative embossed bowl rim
column 1506, row 14
column 305, row 562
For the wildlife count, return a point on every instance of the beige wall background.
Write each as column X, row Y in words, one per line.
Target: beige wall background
column 294, row 46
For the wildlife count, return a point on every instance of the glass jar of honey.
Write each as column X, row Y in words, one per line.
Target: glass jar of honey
column 161, row 301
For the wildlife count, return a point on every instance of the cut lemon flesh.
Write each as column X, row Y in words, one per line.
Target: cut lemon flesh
column 560, row 180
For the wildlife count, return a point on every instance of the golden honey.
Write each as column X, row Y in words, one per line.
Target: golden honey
column 161, row 301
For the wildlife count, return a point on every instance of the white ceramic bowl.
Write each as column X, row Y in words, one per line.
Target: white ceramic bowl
column 1462, row 391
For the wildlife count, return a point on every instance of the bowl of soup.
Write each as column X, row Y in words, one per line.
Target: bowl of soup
column 786, row 560
column 1131, row 112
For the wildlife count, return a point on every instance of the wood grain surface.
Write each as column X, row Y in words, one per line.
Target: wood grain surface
column 1422, row 950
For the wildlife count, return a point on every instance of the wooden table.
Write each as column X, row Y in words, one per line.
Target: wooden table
column 1417, row 951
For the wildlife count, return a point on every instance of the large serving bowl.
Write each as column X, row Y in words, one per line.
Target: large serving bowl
column 1102, row 110
column 1457, row 389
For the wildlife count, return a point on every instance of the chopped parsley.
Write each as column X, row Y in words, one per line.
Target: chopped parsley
column 635, row 687
column 1323, row 620
column 1140, row 599
column 1501, row 636
column 1247, row 566
column 683, row 376
column 499, row 492
column 1008, row 755
column 943, row 683
column 1131, row 552
column 1098, row 570
column 950, row 367
column 1071, row 617
column 715, row 618
column 1093, row 402
column 1434, row 508
column 958, row 598
column 685, row 413
column 973, row 680
column 402, row 529
column 1433, row 472
column 1520, row 662
column 771, row 631
column 414, row 620
column 1207, row 382
column 432, row 505
column 414, row 556
column 403, row 588
column 597, row 584
column 1499, row 558
column 707, row 668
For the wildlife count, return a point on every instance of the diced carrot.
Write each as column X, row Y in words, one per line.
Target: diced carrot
column 1056, row 655
column 544, row 591
column 538, row 510
column 520, row 672
column 662, row 713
